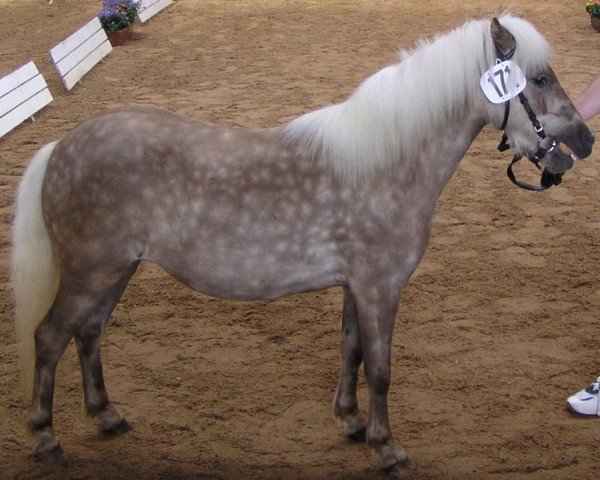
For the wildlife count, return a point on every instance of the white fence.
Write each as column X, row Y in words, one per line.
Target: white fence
column 22, row 93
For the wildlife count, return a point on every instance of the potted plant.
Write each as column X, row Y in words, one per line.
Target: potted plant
column 117, row 18
column 593, row 8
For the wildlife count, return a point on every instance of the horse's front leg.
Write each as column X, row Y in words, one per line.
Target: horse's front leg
column 377, row 307
column 345, row 404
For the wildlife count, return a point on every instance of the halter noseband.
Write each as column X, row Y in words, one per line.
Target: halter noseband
column 548, row 179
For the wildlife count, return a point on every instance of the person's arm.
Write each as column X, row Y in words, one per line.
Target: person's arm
column 588, row 103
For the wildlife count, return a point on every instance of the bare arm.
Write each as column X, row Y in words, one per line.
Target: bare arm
column 588, row 102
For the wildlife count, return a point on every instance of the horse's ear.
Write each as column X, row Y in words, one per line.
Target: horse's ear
column 504, row 41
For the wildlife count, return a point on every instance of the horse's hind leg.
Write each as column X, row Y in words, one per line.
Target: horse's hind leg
column 77, row 299
column 51, row 339
column 345, row 404
column 88, row 338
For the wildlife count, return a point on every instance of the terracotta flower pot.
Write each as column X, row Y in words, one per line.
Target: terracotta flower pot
column 596, row 23
column 120, row 37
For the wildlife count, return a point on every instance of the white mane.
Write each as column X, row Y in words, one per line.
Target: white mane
column 391, row 113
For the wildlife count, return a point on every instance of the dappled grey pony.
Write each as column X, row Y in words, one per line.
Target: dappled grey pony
column 340, row 196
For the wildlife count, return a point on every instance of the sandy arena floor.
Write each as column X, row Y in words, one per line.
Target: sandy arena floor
column 497, row 327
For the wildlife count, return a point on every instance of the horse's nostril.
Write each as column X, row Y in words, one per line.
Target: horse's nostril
column 588, row 139
column 581, row 143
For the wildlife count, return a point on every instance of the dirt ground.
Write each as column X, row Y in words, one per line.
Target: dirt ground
column 497, row 327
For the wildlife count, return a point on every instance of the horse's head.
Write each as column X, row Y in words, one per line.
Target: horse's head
column 540, row 114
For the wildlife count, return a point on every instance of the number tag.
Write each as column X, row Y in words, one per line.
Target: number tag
column 503, row 81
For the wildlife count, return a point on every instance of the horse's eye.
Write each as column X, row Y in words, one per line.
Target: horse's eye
column 541, row 81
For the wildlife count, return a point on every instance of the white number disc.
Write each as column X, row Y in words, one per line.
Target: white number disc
column 503, row 81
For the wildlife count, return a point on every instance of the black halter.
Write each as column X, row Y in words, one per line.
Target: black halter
column 548, row 179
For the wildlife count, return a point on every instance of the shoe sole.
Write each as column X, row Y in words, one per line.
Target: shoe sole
column 579, row 414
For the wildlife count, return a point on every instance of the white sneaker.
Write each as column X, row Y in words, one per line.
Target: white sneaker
column 586, row 401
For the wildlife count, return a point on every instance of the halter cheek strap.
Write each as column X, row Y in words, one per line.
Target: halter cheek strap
column 537, row 127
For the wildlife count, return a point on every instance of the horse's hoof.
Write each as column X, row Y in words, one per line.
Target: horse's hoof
column 360, row 436
column 397, row 466
column 393, row 458
column 119, row 429
column 54, row 454
column 353, row 425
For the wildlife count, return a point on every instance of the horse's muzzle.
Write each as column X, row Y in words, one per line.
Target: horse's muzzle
column 580, row 141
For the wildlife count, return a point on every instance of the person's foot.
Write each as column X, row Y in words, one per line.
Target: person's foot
column 586, row 401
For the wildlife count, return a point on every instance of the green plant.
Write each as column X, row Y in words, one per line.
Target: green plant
column 593, row 8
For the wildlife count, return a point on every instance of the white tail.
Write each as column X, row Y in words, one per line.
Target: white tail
column 35, row 274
